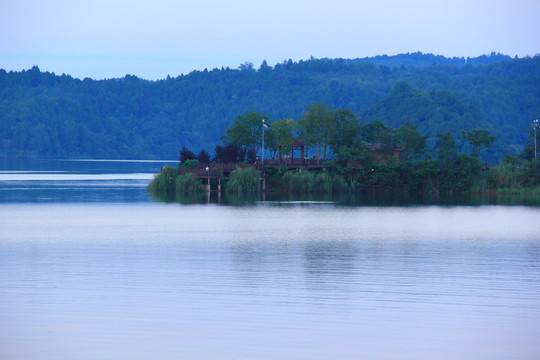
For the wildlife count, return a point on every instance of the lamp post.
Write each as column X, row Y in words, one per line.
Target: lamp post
column 207, row 179
column 534, row 126
column 263, row 126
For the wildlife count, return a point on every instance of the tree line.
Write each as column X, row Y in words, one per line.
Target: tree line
column 47, row 115
column 441, row 168
column 338, row 131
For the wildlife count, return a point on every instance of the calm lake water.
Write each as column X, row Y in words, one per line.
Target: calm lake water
column 92, row 267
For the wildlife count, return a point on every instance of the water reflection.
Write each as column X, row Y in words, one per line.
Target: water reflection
column 27, row 180
column 154, row 280
column 59, row 191
column 330, row 263
column 213, row 197
column 181, row 198
column 345, row 199
column 310, row 277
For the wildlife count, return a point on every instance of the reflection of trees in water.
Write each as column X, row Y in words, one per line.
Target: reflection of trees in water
column 329, row 262
column 213, row 197
column 259, row 262
column 163, row 196
column 238, row 199
column 250, row 260
column 182, row 198
column 324, row 262
column 372, row 198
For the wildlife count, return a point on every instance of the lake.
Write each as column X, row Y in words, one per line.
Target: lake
column 93, row 267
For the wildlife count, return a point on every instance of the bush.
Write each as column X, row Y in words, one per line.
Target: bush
column 188, row 183
column 165, row 181
column 506, row 175
column 243, row 180
column 309, row 182
column 467, row 172
column 530, row 174
column 299, row 182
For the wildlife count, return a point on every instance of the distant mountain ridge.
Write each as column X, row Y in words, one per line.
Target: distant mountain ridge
column 47, row 115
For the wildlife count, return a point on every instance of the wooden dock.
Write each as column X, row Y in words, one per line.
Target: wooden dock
column 219, row 171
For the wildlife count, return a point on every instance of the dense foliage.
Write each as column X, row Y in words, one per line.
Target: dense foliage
column 243, row 180
column 46, row 115
column 169, row 181
column 377, row 158
column 371, row 157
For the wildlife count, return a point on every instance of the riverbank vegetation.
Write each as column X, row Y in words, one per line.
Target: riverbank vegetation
column 169, row 181
column 350, row 157
column 243, row 180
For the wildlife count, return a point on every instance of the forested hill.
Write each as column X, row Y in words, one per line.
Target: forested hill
column 47, row 115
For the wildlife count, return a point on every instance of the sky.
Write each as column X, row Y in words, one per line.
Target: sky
column 153, row 39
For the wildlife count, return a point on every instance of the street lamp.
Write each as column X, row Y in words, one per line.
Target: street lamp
column 534, row 126
column 207, row 178
column 263, row 126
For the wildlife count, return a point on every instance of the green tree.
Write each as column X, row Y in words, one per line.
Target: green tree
column 186, row 154
column 229, row 153
column 344, row 129
column 378, row 133
column 281, row 134
column 246, row 130
column 203, row 157
column 411, row 141
column 528, row 149
column 357, row 154
column 478, row 140
column 466, row 173
column 446, row 150
column 314, row 126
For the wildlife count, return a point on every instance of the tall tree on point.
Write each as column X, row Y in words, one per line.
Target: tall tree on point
column 246, row 130
column 281, row 134
column 345, row 128
column 314, row 127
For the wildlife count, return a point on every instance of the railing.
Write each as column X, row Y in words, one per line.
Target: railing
column 293, row 162
column 216, row 170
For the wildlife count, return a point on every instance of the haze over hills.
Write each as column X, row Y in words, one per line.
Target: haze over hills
column 47, row 115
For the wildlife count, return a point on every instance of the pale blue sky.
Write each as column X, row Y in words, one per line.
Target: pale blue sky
column 153, row 39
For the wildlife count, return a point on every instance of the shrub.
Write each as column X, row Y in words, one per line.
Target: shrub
column 188, row 183
column 243, row 180
column 309, row 182
column 299, row 182
column 322, row 182
column 165, row 181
